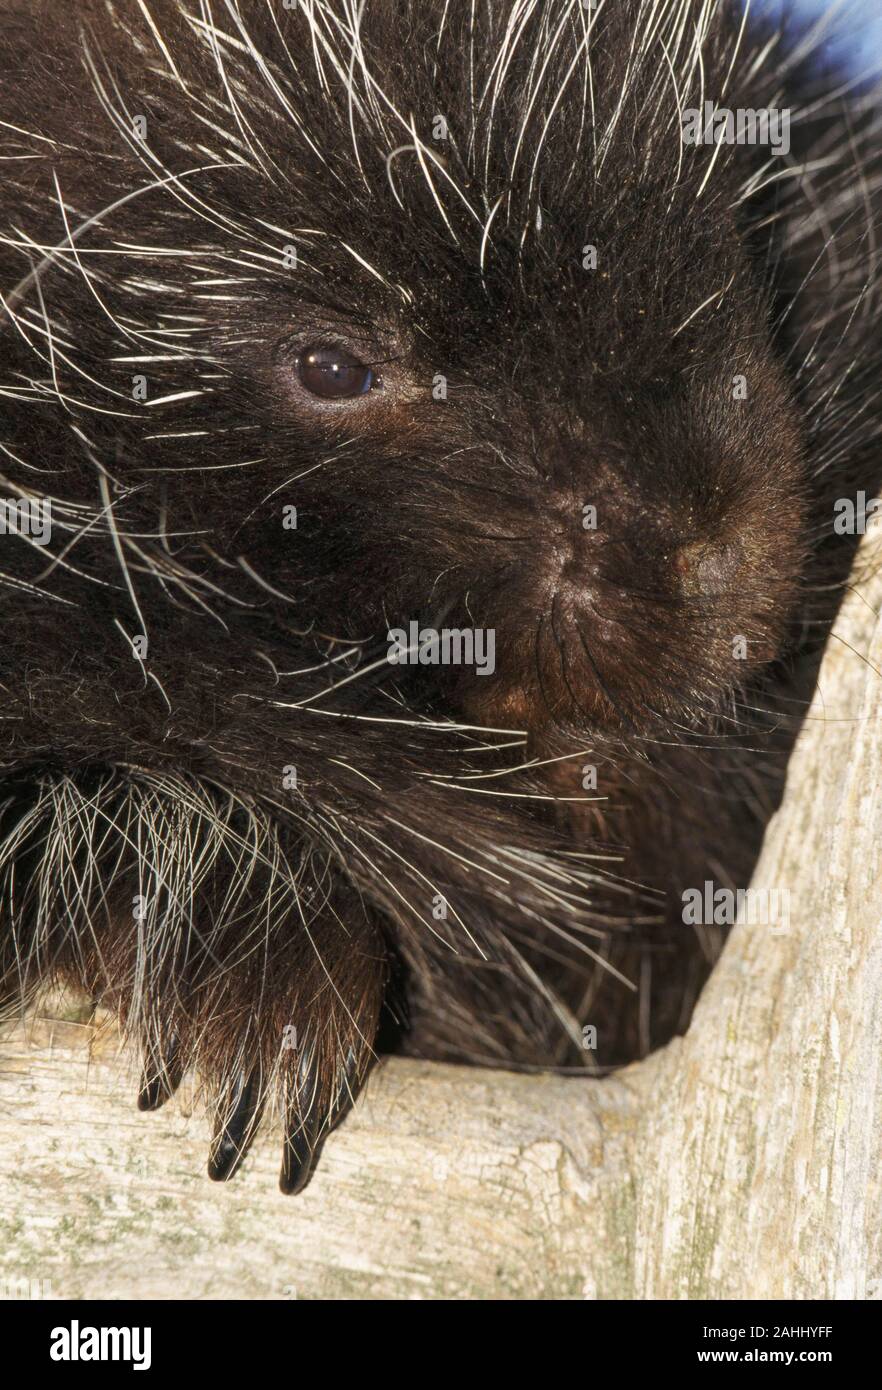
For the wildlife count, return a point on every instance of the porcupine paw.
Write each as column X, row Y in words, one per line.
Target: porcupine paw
column 296, row 1039
column 221, row 944
column 314, row 1087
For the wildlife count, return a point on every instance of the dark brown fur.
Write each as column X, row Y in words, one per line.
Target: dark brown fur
column 508, row 908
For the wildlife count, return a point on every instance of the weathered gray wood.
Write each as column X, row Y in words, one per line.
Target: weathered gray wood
column 744, row 1160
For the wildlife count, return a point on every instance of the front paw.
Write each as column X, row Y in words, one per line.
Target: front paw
column 298, row 1037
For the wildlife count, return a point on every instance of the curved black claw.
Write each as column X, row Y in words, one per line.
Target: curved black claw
column 299, row 1154
column 161, row 1075
column 307, row 1128
column 238, row 1113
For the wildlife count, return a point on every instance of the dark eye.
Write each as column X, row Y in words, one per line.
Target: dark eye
column 334, row 373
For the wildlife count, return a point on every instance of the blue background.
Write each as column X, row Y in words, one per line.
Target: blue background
column 856, row 30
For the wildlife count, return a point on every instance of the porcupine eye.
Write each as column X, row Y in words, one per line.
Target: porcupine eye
column 334, row 373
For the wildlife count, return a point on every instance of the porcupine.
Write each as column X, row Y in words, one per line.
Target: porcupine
column 324, row 319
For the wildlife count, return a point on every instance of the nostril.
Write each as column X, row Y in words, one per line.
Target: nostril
column 578, row 571
column 708, row 567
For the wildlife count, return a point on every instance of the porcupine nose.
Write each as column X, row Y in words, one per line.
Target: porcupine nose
column 708, row 568
column 701, row 569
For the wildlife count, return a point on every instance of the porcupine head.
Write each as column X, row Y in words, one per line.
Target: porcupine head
column 395, row 427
